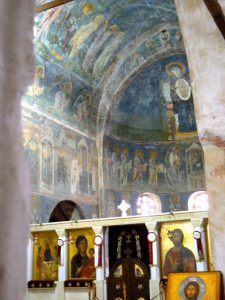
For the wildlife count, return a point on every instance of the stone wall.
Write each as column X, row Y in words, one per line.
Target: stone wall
column 205, row 52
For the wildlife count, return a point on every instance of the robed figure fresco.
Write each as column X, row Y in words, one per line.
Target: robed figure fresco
column 179, row 258
column 177, row 93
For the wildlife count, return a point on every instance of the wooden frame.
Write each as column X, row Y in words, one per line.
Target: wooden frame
column 196, row 285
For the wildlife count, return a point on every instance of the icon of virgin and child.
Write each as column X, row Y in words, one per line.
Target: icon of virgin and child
column 82, row 264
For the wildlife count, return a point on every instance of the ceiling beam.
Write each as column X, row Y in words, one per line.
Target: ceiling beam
column 217, row 14
column 50, row 4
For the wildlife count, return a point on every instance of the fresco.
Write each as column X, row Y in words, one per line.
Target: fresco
column 170, row 202
column 62, row 163
column 155, row 167
column 96, row 73
column 157, row 105
column 81, row 47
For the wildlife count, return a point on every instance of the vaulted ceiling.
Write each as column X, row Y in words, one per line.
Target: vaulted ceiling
column 101, row 65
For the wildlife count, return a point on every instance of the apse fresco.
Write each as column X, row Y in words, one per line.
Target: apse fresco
column 84, row 51
column 157, row 105
column 62, row 163
column 170, row 202
column 153, row 167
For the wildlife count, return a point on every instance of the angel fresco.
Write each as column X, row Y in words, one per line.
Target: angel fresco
column 177, row 93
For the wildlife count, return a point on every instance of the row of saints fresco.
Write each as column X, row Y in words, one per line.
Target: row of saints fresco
column 155, row 167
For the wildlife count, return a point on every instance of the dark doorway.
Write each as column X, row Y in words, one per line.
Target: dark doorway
column 66, row 210
column 128, row 280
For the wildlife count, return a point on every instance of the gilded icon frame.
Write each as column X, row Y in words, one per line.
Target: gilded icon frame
column 208, row 285
column 166, row 244
column 74, row 236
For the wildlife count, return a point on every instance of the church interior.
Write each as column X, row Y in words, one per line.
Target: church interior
column 123, row 138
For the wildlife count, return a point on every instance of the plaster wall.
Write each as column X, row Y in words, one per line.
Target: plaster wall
column 205, row 50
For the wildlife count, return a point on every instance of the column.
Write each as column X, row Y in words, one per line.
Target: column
column 63, row 266
column 16, row 73
column 198, row 225
column 100, row 280
column 154, row 283
column 30, row 244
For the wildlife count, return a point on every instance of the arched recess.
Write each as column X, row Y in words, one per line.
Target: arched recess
column 66, row 210
column 148, row 204
column 198, row 201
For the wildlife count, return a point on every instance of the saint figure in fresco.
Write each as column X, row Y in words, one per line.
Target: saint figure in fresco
column 174, row 172
column 47, row 165
column 179, row 258
column 139, row 167
column 63, row 96
column 114, row 172
column 153, row 168
column 82, row 266
column 107, row 161
column 36, row 89
column 175, row 204
column 125, row 166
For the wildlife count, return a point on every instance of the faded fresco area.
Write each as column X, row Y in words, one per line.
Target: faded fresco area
column 169, row 202
column 62, row 164
column 110, row 108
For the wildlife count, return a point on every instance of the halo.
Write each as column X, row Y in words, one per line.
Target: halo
column 88, row 8
column 153, row 154
column 139, row 153
column 124, row 150
column 197, row 279
column 175, row 63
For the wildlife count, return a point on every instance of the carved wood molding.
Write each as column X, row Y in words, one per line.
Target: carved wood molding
column 50, row 4
column 217, row 14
